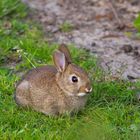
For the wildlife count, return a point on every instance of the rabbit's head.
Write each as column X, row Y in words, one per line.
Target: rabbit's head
column 72, row 79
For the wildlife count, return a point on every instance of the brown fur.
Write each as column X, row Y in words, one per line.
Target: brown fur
column 46, row 88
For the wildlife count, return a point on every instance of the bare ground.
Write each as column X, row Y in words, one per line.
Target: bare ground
column 105, row 28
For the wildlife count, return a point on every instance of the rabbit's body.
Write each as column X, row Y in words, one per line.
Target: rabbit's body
column 48, row 91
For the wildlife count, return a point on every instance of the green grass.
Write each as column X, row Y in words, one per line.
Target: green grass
column 66, row 27
column 112, row 113
column 137, row 25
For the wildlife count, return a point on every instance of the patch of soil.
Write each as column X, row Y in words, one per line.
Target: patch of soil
column 102, row 27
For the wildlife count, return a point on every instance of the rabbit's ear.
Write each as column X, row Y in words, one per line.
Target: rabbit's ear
column 59, row 61
column 64, row 49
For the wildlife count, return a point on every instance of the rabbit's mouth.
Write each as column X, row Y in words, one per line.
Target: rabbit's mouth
column 84, row 91
column 81, row 94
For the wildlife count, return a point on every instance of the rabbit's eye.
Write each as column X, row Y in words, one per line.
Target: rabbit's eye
column 74, row 79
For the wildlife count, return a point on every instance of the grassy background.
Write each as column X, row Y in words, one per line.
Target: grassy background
column 112, row 113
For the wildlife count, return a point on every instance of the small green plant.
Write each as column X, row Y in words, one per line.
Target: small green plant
column 66, row 27
column 137, row 25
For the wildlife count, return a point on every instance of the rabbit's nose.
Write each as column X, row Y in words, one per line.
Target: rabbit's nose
column 88, row 90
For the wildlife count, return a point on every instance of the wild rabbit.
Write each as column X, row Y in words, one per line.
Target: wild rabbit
column 55, row 89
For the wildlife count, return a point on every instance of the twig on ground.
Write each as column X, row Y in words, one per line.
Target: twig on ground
column 113, row 8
